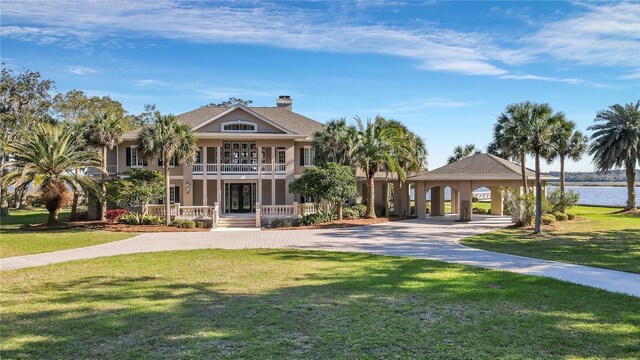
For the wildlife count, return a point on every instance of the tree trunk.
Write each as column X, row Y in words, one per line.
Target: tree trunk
column 53, row 216
column 562, row 174
column 523, row 169
column 167, row 197
column 74, row 205
column 4, row 202
column 631, row 190
column 22, row 198
column 340, row 209
column 371, row 212
column 103, row 186
column 538, row 228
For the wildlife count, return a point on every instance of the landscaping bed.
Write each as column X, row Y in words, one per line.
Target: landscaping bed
column 337, row 224
column 106, row 226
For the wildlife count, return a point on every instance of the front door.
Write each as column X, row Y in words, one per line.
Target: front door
column 240, row 198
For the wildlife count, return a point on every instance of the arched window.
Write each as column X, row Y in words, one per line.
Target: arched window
column 239, row 126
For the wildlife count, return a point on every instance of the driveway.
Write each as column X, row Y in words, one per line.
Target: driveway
column 434, row 239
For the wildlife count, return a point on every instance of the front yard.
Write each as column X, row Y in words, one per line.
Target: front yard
column 598, row 237
column 298, row 304
column 15, row 242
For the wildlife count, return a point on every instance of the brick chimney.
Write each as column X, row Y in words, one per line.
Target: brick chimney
column 284, row 101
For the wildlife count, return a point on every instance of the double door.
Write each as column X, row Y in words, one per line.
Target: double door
column 240, row 197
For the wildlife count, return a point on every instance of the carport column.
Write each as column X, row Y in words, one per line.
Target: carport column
column 437, row 201
column 496, row 201
column 421, row 200
column 466, row 200
column 454, row 201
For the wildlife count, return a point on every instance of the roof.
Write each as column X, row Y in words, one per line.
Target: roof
column 293, row 122
column 479, row 167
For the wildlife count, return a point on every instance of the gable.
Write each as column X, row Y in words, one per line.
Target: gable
column 239, row 116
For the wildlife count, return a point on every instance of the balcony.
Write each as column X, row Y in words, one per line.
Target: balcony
column 111, row 170
column 239, row 169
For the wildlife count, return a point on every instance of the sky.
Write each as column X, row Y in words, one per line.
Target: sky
column 446, row 69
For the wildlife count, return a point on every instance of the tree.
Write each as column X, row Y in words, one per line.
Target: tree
column 139, row 188
column 566, row 142
column 380, row 145
column 539, row 125
column 167, row 138
column 232, row 101
column 104, row 131
column 25, row 101
column 616, row 143
column 330, row 181
column 46, row 157
column 510, row 136
column 334, row 143
column 460, row 152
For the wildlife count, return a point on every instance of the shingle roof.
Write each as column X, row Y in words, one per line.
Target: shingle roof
column 479, row 167
column 294, row 122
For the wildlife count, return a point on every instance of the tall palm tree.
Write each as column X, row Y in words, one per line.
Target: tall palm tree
column 616, row 143
column 46, row 157
column 460, row 152
column 334, row 143
column 104, row 130
column 539, row 125
column 167, row 138
column 510, row 138
column 566, row 143
column 378, row 146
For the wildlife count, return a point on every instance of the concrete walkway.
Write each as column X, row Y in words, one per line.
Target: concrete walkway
column 434, row 239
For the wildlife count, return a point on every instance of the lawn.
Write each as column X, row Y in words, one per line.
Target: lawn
column 294, row 304
column 599, row 237
column 15, row 242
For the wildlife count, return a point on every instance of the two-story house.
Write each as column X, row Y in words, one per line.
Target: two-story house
column 247, row 155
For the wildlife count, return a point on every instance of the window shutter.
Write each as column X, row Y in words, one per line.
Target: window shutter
column 159, row 162
column 301, row 156
column 128, row 155
column 175, row 161
column 177, row 194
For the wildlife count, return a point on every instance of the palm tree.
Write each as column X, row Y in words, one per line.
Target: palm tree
column 47, row 157
column 460, row 152
column 378, row 146
column 616, row 143
column 566, row 142
column 510, row 138
column 167, row 138
column 104, row 131
column 539, row 125
column 334, row 143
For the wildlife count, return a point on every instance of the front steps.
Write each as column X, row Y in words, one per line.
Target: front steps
column 236, row 221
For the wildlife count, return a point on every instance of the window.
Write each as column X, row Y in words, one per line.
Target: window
column 241, row 153
column 239, row 126
column 174, row 195
column 198, row 159
column 308, row 155
column 281, row 156
column 172, row 162
column 136, row 158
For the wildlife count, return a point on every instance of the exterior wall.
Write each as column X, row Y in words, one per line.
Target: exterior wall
column 240, row 115
column 299, row 169
column 152, row 164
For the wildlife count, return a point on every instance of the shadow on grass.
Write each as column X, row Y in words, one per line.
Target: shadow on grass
column 328, row 305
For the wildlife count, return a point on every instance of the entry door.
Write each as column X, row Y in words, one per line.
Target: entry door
column 240, row 198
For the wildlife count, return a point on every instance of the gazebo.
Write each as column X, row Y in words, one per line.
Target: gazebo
column 463, row 177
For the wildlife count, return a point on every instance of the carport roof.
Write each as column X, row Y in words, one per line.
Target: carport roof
column 479, row 167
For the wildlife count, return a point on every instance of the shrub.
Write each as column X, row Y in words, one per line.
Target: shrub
column 571, row 216
column 278, row 223
column 521, row 207
column 559, row 202
column 361, row 209
column 201, row 224
column 128, row 219
column 548, row 219
column 313, row 219
column 349, row 213
column 177, row 223
column 189, row 224
column 115, row 214
column 152, row 220
column 34, row 201
column 561, row 216
column 479, row 211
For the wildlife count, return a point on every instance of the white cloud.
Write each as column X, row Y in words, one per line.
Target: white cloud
column 148, row 82
column 422, row 104
column 631, row 76
column 80, row 70
column 605, row 34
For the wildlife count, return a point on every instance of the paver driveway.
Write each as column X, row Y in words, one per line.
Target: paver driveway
column 435, row 239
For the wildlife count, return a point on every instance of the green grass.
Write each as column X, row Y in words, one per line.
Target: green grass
column 597, row 238
column 294, row 304
column 15, row 242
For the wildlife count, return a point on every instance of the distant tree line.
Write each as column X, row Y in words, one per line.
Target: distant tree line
column 611, row 176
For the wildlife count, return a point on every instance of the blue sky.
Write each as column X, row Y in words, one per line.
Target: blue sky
column 446, row 69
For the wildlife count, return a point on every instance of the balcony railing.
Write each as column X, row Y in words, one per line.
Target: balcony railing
column 94, row 171
column 251, row 169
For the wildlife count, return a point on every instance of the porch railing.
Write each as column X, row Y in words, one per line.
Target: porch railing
column 212, row 169
column 186, row 212
column 279, row 210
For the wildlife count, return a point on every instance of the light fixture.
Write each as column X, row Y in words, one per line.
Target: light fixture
column 187, row 187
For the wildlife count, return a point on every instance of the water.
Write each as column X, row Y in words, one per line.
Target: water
column 601, row 195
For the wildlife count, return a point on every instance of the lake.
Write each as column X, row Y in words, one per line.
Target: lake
column 601, row 195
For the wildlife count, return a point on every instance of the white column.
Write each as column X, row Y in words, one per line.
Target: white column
column 203, row 158
column 259, row 191
column 273, row 175
column 218, row 180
